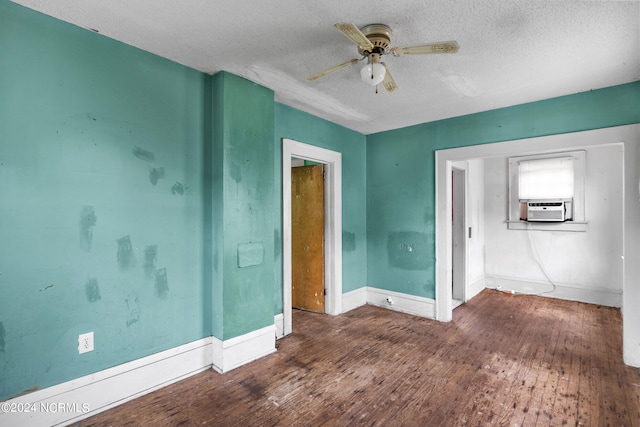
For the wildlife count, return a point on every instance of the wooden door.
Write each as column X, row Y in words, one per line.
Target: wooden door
column 307, row 238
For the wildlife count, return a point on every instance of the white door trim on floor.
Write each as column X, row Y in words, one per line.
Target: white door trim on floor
column 332, row 227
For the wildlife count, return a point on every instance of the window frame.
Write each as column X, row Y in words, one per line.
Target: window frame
column 578, row 223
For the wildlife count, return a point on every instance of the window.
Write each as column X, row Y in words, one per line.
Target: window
column 549, row 186
column 545, row 179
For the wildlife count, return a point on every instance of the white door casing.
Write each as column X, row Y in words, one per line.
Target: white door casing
column 333, row 224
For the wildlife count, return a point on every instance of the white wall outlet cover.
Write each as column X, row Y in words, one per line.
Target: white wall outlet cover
column 85, row 343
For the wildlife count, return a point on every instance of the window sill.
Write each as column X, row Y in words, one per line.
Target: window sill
column 548, row 226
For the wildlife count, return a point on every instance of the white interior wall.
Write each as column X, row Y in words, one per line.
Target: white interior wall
column 585, row 266
column 630, row 311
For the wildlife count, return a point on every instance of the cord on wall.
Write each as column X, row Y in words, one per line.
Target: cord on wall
column 540, row 263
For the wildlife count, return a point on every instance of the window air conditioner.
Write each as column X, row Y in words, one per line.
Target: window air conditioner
column 546, row 211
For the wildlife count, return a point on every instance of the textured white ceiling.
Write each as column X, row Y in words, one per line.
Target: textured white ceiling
column 511, row 51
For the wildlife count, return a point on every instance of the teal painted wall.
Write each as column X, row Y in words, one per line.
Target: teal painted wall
column 101, row 210
column 300, row 126
column 245, row 251
column 401, row 174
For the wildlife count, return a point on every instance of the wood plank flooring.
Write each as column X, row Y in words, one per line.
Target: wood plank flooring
column 505, row 360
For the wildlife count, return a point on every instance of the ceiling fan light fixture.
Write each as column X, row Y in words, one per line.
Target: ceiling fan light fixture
column 374, row 41
column 373, row 73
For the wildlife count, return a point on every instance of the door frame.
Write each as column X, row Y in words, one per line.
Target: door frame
column 462, row 254
column 332, row 224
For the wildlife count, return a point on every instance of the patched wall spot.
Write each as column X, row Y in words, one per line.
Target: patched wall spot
column 249, row 254
column 155, row 174
column 133, row 309
column 92, row 290
column 178, row 188
column 348, row 241
column 150, row 256
column 277, row 243
column 87, row 221
column 407, row 250
column 162, row 284
column 143, row 154
column 125, row 256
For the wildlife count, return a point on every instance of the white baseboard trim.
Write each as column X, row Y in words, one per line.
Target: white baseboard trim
column 83, row 397
column 238, row 351
column 591, row 295
column 354, row 299
column 410, row 304
column 86, row 396
column 278, row 321
column 476, row 287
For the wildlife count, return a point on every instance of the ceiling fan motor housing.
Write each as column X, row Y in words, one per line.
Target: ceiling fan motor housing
column 380, row 37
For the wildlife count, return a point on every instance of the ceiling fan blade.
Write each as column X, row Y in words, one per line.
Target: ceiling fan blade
column 421, row 49
column 355, row 35
column 332, row 70
column 388, row 82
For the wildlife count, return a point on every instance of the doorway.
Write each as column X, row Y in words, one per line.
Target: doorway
column 458, row 236
column 332, row 162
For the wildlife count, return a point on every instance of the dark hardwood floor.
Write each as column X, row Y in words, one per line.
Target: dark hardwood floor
column 507, row 360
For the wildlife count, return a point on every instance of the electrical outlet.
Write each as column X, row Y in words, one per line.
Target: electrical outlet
column 85, row 343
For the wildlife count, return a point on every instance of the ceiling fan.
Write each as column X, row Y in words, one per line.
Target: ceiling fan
column 373, row 42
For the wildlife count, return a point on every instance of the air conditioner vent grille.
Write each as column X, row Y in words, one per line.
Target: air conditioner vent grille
column 546, row 211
